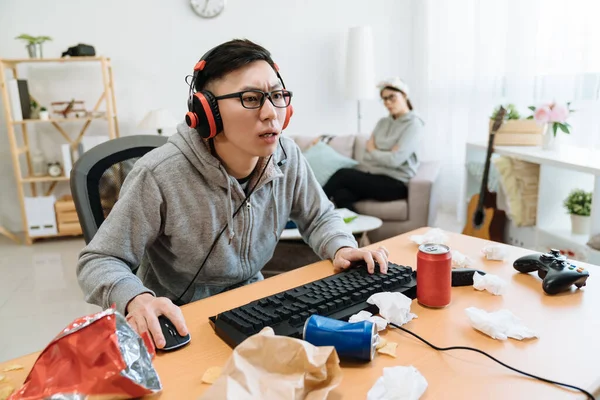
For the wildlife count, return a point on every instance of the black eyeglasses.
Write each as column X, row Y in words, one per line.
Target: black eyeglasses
column 253, row 99
column 391, row 97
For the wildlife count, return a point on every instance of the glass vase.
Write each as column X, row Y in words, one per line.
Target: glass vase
column 548, row 138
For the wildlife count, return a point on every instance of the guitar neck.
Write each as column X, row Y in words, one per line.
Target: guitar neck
column 486, row 170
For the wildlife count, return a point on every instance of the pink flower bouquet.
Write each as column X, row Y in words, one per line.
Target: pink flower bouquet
column 552, row 113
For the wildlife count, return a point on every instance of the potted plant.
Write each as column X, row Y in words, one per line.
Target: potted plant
column 554, row 117
column 44, row 114
column 34, row 44
column 579, row 205
column 516, row 130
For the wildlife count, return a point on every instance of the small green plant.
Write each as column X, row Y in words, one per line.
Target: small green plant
column 579, row 202
column 43, row 109
column 511, row 112
column 33, row 39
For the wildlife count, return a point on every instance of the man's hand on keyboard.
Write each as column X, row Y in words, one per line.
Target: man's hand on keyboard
column 347, row 256
column 143, row 312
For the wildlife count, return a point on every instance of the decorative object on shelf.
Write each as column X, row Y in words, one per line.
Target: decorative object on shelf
column 44, row 114
column 34, row 110
column 157, row 120
column 81, row 50
column 516, row 131
column 579, row 205
column 69, row 109
column 360, row 67
column 208, row 8
column 38, row 163
column 553, row 116
column 55, row 169
column 520, row 184
column 34, row 44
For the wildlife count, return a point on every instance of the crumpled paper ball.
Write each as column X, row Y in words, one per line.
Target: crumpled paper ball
column 398, row 383
column 434, row 235
column 393, row 306
column 492, row 283
column 363, row 315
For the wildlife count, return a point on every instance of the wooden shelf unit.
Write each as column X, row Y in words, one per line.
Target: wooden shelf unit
column 19, row 144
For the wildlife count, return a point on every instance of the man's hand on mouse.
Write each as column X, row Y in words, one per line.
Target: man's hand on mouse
column 346, row 256
column 143, row 312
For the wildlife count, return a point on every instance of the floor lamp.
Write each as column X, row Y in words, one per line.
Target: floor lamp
column 158, row 120
column 360, row 74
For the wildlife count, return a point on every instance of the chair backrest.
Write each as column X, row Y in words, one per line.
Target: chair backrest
column 98, row 174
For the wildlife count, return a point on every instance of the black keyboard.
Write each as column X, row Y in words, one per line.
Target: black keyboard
column 338, row 296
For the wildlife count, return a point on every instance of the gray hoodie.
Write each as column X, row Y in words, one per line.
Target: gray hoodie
column 405, row 132
column 171, row 208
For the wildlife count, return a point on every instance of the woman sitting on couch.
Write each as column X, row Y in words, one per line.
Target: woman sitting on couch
column 390, row 160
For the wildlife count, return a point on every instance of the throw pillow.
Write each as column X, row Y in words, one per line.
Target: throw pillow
column 325, row 161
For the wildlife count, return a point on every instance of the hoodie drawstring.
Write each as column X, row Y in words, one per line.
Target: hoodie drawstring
column 276, row 226
column 230, row 212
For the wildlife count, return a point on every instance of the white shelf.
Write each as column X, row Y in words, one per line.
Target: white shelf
column 565, row 235
column 570, row 157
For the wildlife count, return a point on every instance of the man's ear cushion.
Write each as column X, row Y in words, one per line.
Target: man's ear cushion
column 325, row 161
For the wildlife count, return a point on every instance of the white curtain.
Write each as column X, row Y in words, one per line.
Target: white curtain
column 471, row 55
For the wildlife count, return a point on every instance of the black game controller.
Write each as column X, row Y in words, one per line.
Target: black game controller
column 558, row 274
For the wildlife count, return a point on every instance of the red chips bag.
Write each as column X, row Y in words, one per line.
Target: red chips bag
column 98, row 355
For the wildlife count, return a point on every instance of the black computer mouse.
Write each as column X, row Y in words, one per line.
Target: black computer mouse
column 173, row 340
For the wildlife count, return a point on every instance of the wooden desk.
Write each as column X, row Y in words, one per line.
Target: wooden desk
column 568, row 348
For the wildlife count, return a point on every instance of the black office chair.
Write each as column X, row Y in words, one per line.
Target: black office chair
column 97, row 177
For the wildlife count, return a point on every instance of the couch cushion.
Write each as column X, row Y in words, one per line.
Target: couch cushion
column 324, row 161
column 396, row 210
column 342, row 144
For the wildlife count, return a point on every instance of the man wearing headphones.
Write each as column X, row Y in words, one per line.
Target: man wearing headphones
column 204, row 212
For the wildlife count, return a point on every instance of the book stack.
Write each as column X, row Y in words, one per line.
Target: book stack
column 518, row 132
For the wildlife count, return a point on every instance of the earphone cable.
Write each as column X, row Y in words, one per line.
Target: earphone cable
column 495, row 359
column 214, row 243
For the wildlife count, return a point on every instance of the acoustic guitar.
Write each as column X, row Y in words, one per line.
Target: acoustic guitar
column 484, row 219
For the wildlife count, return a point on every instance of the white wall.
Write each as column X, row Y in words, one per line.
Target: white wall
column 154, row 44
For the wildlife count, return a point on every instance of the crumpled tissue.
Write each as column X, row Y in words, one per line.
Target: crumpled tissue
column 363, row 315
column 434, row 235
column 393, row 306
column 495, row 252
column 398, row 383
column 459, row 260
column 500, row 324
column 492, row 283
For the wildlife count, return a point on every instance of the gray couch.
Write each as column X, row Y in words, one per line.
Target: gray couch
column 398, row 216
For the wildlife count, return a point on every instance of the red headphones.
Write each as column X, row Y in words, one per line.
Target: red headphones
column 203, row 110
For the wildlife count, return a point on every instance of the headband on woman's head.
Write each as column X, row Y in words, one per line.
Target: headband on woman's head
column 395, row 83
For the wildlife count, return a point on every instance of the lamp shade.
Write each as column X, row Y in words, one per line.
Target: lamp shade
column 157, row 120
column 360, row 69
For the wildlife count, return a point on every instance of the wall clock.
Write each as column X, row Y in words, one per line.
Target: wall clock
column 208, row 8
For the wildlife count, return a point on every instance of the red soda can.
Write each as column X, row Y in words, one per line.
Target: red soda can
column 434, row 275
